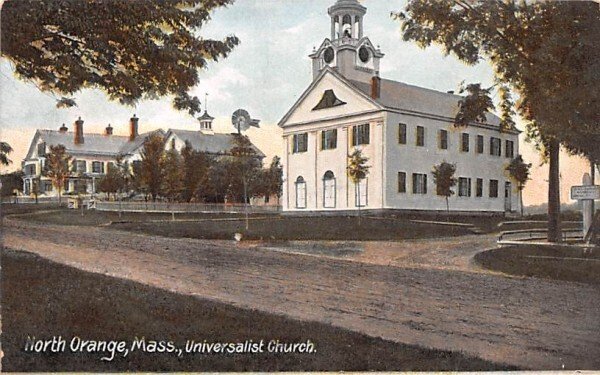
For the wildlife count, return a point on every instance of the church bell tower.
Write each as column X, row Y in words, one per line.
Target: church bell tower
column 347, row 50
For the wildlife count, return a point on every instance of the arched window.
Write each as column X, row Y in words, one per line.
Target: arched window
column 347, row 26
column 329, row 193
column 300, row 192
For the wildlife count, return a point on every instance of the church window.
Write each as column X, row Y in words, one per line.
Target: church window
column 510, row 149
column 360, row 134
column 402, row 134
column 360, row 193
column 300, row 143
column 419, row 183
column 329, row 190
column 480, row 144
column 493, row 188
column 401, row 182
column 420, row 136
column 329, row 139
column 443, row 139
column 464, row 187
column 464, row 147
column 495, row 146
column 479, row 187
column 300, row 192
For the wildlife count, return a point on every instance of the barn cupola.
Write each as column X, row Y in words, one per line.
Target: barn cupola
column 206, row 120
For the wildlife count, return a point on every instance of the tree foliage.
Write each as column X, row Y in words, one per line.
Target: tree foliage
column 5, row 149
column 152, row 171
column 173, row 175
column 244, row 168
column 444, row 179
column 57, row 167
column 519, row 172
column 473, row 106
column 357, row 170
column 129, row 49
column 11, row 182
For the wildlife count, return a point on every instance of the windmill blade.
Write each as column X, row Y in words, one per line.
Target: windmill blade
column 255, row 123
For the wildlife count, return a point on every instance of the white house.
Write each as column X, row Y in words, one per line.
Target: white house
column 403, row 129
column 91, row 153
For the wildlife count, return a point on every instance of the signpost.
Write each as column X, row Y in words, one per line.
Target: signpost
column 586, row 194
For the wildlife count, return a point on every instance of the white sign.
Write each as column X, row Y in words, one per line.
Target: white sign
column 585, row 192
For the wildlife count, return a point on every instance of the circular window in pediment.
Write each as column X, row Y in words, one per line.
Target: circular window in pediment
column 364, row 54
column 328, row 55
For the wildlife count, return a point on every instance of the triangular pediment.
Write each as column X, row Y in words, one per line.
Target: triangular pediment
column 329, row 96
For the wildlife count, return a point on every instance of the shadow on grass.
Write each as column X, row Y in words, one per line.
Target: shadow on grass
column 557, row 262
column 45, row 299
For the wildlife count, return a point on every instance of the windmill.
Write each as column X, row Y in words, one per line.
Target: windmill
column 242, row 121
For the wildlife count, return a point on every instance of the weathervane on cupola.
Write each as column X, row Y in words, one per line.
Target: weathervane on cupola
column 206, row 119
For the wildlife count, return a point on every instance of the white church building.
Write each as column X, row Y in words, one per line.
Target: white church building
column 403, row 130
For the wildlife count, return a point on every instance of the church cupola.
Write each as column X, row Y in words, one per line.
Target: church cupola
column 206, row 119
column 347, row 19
column 348, row 51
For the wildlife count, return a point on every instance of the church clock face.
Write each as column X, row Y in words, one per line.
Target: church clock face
column 328, row 55
column 364, row 54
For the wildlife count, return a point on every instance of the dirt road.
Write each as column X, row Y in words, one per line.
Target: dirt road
column 416, row 292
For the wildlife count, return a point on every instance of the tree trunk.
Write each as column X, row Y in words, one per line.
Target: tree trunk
column 593, row 176
column 554, row 232
column 521, row 199
column 358, row 190
column 447, row 209
column 246, row 204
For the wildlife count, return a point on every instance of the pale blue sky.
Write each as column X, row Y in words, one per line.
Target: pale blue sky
column 265, row 74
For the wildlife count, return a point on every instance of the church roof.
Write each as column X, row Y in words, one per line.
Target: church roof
column 216, row 143
column 420, row 100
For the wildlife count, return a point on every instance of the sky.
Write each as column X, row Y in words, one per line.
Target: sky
column 265, row 75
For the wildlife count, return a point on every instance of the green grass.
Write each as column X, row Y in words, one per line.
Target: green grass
column 556, row 262
column 61, row 300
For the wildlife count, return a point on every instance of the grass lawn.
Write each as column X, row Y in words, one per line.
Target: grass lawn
column 283, row 228
column 559, row 263
column 45, row 299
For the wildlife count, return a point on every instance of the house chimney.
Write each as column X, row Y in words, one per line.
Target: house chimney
column 79, row 131
column 376, row 86
column 108, row 130
column 63, row 129
column 133, row 128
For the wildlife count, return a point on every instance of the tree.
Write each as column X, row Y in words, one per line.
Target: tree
column 129, row 49
column 152, row 167
column 546, row 53
column 36, row 188
column 111, row 182
column 357, row 171
column 11, row 182
column 195, row 173
column 443, row 177
column 5, row 149
column 274, row 179
column 245, row 169
column 57, row 168
column 519, row 173
column 173, row 180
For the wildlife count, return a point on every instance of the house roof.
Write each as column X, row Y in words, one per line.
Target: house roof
column 94, row 144
column 210, row 143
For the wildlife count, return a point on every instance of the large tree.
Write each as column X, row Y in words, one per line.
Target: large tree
column 173, row 180
column 57, row 168
column 152, row 169
column 129, row 49
column 546, row 52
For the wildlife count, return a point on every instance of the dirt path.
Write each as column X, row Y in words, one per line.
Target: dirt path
column 444, row 303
